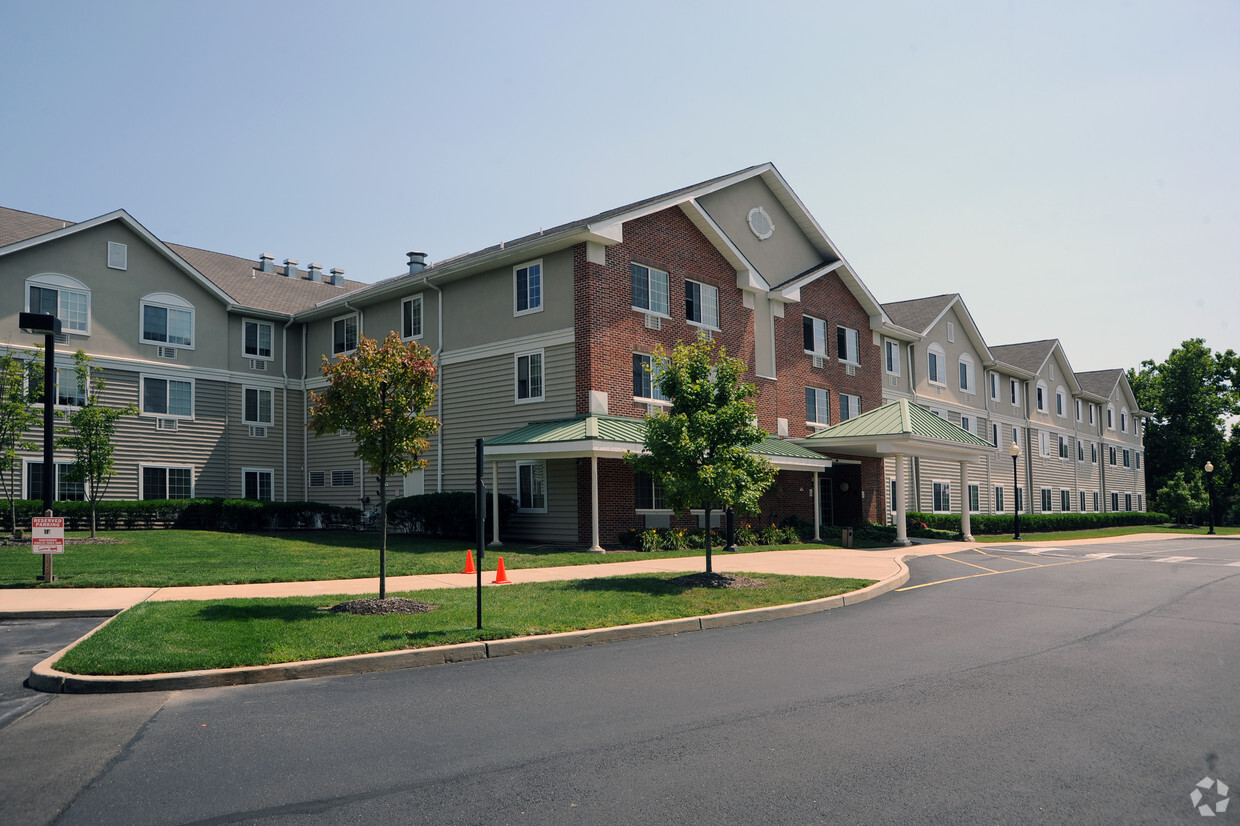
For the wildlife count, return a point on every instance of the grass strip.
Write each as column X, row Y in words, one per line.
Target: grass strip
column 161, row 637
column 1101, row 533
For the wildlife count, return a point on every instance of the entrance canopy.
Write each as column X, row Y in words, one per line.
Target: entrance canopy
column 901, row 428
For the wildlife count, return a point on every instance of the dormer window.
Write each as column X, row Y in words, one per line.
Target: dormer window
column 167, row 320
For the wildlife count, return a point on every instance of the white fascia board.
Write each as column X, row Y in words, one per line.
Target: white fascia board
column 792, row 463
column 747, row 277
column 508, row 346
column 681, row 198
column 791, row 292
column 563, row 450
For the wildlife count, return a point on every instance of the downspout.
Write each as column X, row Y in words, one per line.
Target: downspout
column 1028, row 452
column 305, row 409
column 284, row 400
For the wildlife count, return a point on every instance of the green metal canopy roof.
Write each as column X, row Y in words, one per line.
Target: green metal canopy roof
column 900, row 428
column 613, row 436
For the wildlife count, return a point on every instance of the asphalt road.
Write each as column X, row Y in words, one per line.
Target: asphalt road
column 998, row 686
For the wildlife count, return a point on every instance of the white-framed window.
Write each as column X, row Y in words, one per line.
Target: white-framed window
column 1020, row 497
column 1078, row 409
column 650, row 290
column 1065, row 500
column 529, row 376
column 527, row 288
column 167, row 320
column 891, row 357
column 814, row 335
column 345, row 332
column 66, row 298
column 942, row 497
column 258, row 406
column 411, row 317
column 532, row 487
column 1014, row 390
column 850, row 406
column 847, row 345
column 966, row 422
column 63, row 489
column 318, row 478
column 69, row 392
column 1083, row 501
column 994, row 434
column 1095, row 500
column 1123, row 420
column 1047, row 507
column 647, row 493
column 998, row 498
column 1114, row 501
column 256, row 339
column 1137, row 454
column 1091, row 414
column 118, row 256
column 1061, row 401
column 1112, row 456
column 994, row 386
column 1093, row 453
column 975, row 499
column 702, row 304
column 1110, row 417
column 817, row 409
column 1080, row 452
column 1015, row 435
column 167, row 397
column 343, row 478
column 166, row 482
column 935, row 364
column 1041, row 397
column 951, row 332
column 645, row 379
column 1044, row 443
column 891, row 501
column 1127, row 458
column 258, row 483
column 966, row 374
column 1063, row 448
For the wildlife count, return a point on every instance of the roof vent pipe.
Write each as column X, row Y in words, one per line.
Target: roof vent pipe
column 315, row 271
column 337, row 278
column 290, row 268
column 417, row 262
column 266, row 263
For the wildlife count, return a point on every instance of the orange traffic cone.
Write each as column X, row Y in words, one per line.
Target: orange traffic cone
column 501, row 578
column 469, row 562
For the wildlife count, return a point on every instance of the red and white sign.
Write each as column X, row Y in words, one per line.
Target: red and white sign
column 47, row 534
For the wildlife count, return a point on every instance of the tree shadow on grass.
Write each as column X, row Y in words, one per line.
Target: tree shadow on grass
column 235, row 613
column 649, row 585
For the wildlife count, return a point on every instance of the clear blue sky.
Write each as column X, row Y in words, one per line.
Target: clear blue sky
column 1072, row 169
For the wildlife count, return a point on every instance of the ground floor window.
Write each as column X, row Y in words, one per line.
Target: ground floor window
column 1083, row 508
column 63, row 489
column 892, row 500
column 1095, row 500
column 1065, row 500
column 1127, row 501
column 1046, row 500
column 975, row 496
column 1114, row 502
column 259, row 484
column 1020, row 499
column 167, row 482
column 532, row 487
column 647, row 493
column 998, row 499
column 942, row 497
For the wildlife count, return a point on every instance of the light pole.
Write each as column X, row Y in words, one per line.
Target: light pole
column 49, row 326
column 1210, row 486
column 1015, row 451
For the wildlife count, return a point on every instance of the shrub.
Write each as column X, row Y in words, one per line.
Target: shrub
column 674, row 540
column 746, row 535
column 448, row 514
column 197, row 514
column 649, row 540
column 1000, row 523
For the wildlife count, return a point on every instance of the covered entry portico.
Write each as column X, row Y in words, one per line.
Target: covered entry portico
column 898, row 431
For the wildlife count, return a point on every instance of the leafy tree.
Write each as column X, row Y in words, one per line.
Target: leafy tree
column 91, row 434
column 1182, row 497
column 1191, row 394
column 379, row 396
column 17, row 416
column 699, row 450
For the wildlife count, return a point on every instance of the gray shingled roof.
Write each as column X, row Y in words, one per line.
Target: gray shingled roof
column 1028, row 356
column 1100, row 382
column 235, row 276
column 919, row 313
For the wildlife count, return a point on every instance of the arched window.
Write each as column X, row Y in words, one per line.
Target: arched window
column 967, row 381
column 66, row 298
column 167, row 320
column 936, row 364
column 1042, row 391
column 1061, row 401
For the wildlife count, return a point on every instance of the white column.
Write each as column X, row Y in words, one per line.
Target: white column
column 901, row 516
column 595, row 548
column 495, row 505
column 817, row 512
column 965, row 530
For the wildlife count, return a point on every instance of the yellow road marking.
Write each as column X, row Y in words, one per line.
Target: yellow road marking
column 962, row 562
column 993, row 573
column 1010, row 559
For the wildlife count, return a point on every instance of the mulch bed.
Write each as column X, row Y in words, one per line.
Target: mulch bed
column 374, row 605
column 717, row 580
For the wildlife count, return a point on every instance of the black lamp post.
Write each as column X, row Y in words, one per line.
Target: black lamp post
column 1210, row 486
column 49, row 326
column 1014, row 450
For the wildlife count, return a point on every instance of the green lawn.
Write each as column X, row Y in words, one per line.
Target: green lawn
column 1103, row 533
column 162, row 558
column 157, row 637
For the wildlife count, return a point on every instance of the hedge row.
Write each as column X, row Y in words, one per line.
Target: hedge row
column 203, row 514
column 448, row 514
column 1000, row 523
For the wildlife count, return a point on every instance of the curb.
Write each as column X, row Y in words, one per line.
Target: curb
column 45, row 677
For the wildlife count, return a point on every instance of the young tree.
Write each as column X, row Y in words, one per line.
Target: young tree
column 699, row 450
column 379, row 396
column 1180, row 497
column 17, row 415
column 91, row 434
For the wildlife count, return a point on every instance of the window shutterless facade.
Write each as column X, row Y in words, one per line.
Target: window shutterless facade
column 167, row 320
column 847, row 345
column 942, row 497
column 257, row 406
column 1046, row 500
column 258, row 483
column 650, row 290
column 63, row 489
column 817, row 406
column 1082, row 498
column 891, row 357
column 167, row 397
column 1065, row 500
column 975, row 497
column 645, row 380
column 965, row 366
column 411, row 318
column 998, row 499
column 532, row 487
column 66, row 298
column 345, row 332
column 814, row 335
column 647, row 493
column 166, row 482
column 256, row 339
column 850, row 406
column 527, row 288
column 935, row 365
column 529, row 376
column 702, row 304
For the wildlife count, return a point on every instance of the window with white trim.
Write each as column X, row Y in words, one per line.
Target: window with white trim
column 847, row 345
column 1046, row 501
column 1127, row 458
column 69, row 392
column 942, row 497
column 814, row 335
column 1078, row 409
column 66, row 298
column 529, row 376
column 951, row 332
column 817, row 410
column 647, row 493
column 702, row 304
column 891, row 501
column 1093, row 453
column 966, row 374
column 650, row 290
column 258, row 406
column 411, row 317
column 1041, row 397
column 1060, row 401
column 345, row 332
column 994, row 434
column 1114, row 501
column 1044, row 444
column 1095, row 500
column 256, row 339
column 1065, row 500
column 1084, row 502
column 167, row 320
column 63, row 489
column 532, row 487
column 1110, row 417
column 1123, row 420
column 527, row 288
column 1063, row 448
column 645, row 379
column 998, row 499
column 994, row 386
column 162, row 482
column 966, row 423
column 935, row 364
column 1091, row 414
column 891, row 356
column 850, row 406
column 343, row 478
column 1080, row 451
column 1127, row 501
column 975, row 497
column 1112, row 457
column 167, row 397
column 258, row 483
column 1014, row 390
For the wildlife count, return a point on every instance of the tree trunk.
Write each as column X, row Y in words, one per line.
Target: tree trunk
column 92, row 518
column 709, row 569
column 383, row 533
